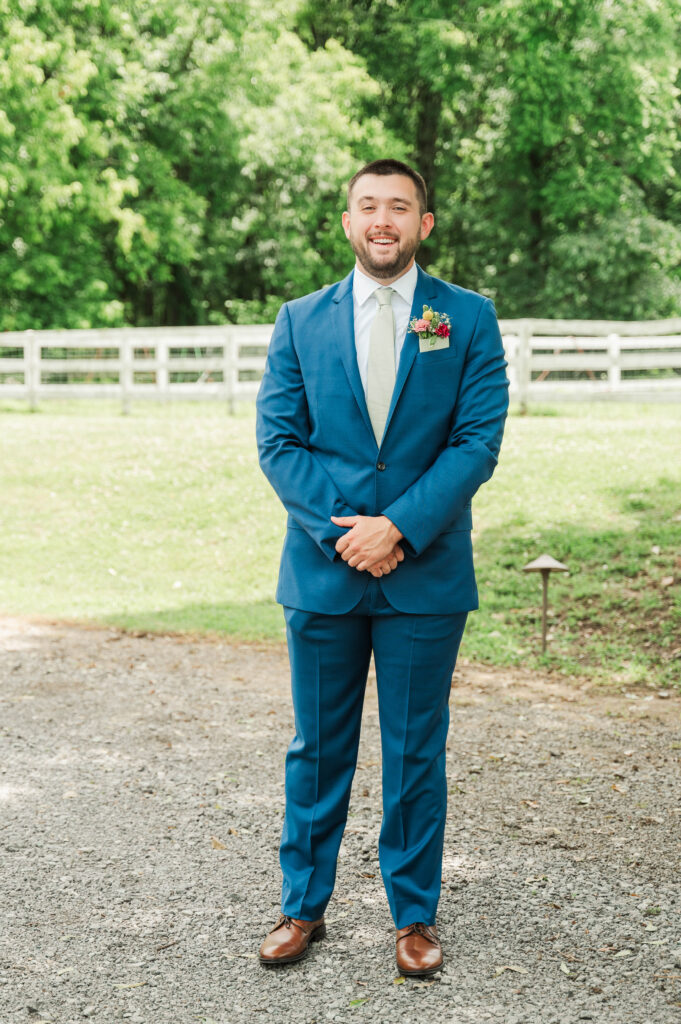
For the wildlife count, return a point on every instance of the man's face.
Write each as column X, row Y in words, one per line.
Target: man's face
column 384, row 225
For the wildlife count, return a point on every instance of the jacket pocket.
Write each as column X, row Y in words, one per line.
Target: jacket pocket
column 439, row 355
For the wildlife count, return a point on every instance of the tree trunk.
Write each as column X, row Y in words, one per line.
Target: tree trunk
column 428, row 106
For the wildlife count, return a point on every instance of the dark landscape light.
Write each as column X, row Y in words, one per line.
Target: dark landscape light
column 545, row 564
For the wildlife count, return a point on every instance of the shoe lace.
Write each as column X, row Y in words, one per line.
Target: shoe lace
column 285, row 921
column 419, row 929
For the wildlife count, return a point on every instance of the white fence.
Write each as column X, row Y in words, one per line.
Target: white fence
column 549, row 360
column 562, row 360
column 134, row 363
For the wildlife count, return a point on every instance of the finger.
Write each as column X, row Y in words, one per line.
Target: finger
column 344, row 520
column 371, row 563
column 392, row 562
column 376, row 572
column 399, row 553
column 342, row 543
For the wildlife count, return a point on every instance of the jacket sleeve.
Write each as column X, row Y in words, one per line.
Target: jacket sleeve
column 439, row 496
column 282, row 430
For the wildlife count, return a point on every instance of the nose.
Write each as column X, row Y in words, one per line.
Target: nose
column 382, row 218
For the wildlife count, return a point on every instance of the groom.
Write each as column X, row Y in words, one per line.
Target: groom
column 380, row 414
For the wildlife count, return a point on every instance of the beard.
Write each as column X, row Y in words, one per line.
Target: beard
column 384, row 266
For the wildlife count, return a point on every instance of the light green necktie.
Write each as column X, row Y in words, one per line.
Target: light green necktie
column 381, row 372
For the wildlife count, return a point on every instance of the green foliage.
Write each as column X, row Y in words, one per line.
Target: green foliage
column 165, row 163
column 297, row 150
column 542, row 128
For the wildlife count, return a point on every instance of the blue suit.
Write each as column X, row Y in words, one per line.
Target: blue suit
column 318, row 450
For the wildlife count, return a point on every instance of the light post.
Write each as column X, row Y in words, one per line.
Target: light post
column 545, row 564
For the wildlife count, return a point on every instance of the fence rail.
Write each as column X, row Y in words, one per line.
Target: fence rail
column 586, row 359
column 548, row 360
column 133, row 364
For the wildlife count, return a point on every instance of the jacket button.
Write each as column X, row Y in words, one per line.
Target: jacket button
column 380, row 467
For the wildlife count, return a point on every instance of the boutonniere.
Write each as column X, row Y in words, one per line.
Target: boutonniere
column 432, row 329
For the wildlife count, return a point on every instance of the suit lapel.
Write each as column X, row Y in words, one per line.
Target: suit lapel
column 343, row 324
column 425, row 290
column 343, row 327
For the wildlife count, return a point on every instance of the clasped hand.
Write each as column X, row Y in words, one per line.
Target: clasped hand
column 370, row 544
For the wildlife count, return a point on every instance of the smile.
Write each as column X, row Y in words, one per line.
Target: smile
column 383, row 240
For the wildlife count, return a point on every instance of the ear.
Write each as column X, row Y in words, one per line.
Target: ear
column 427, row 222
column 346, row 223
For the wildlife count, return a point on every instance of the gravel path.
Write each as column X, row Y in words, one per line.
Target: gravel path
column 141, row 801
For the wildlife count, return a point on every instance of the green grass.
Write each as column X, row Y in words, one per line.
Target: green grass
column 163, row 521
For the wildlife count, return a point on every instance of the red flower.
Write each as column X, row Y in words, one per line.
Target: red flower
column 442, row 331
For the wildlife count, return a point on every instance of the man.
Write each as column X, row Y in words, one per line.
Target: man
column 376, row 431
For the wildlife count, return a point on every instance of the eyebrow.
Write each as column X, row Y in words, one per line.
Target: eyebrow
column 394, row 199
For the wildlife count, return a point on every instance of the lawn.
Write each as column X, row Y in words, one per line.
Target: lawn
column 161, row 520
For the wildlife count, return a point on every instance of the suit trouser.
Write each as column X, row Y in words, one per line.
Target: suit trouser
column 414, row 657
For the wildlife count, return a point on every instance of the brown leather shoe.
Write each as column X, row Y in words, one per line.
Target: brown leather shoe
column 289, row 939
column 418, row 949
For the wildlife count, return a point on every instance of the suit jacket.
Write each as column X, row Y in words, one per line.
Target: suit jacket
column 441, row 442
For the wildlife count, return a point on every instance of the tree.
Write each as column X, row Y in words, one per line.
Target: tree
column 541, row 126
column 164, row 163
column 169, row 164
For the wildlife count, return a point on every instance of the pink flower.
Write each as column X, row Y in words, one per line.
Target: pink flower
column 442, row 331
column 422, row 325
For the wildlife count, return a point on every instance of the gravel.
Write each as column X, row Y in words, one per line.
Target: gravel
column 141, row 800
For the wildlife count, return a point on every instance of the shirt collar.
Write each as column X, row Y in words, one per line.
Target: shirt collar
column 405, row 286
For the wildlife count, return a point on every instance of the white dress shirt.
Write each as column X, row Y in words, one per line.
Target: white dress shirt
column 365, row 306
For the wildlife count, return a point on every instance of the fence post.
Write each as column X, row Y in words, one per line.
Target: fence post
column 511, row 352
column 230, row 371
column 162, row 352
column 125, row 352
column 614, row 369
column 32, row 352
column 523, row 362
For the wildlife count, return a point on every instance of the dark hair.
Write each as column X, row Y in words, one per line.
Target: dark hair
column 393, row 167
